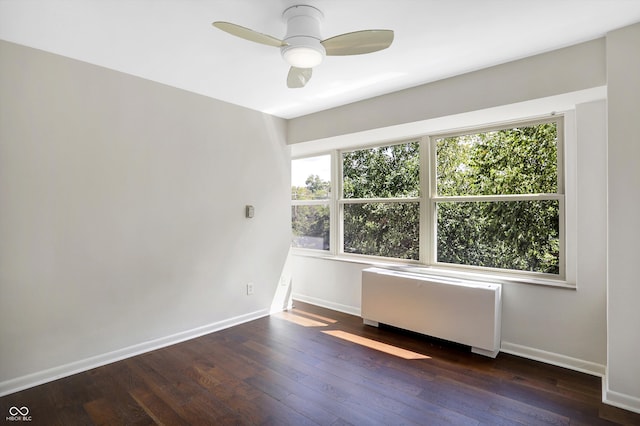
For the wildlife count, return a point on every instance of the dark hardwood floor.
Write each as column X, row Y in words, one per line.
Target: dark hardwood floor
column 316, row 366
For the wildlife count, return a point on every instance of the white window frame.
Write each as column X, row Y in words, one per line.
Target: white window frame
column 428, row 199
column 559, row 196
column 341, row 202
column 322, row 202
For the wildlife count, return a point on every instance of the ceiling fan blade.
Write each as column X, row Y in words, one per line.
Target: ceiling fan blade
column 298, row 77
column 248, row 34
column 358, row 42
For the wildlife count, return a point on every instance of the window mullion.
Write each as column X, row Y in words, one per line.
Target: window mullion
column 335, row 246
column 433, row 192
column 343, row 201
column 320, row 202
column 426, row 230
column 491, row 198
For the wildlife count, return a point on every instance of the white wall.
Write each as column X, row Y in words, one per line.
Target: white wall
column 558, row 72
column 623, row 73
column 563, row 326
column 122, row 214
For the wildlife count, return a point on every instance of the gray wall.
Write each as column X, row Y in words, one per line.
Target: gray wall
column 623, row 72
column 122, row 214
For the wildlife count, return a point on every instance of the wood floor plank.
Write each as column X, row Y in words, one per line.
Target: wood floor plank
column 102, row 412
column 155, row 407
column 285, row 369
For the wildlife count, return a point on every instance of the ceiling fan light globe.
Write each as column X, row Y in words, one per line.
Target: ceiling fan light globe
column 302, row 57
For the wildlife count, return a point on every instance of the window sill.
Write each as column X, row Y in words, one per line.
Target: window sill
column 422, row 269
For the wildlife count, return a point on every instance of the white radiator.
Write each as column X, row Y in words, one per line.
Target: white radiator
column 460, row 311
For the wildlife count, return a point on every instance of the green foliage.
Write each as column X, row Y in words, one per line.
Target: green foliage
column 384, row 172
column 520, row 160
column 382, row 229
column 520, row 235
column 315, row 189
column 310, row 227
column 310, row 223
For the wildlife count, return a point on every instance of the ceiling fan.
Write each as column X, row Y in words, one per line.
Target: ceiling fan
column 303, row 48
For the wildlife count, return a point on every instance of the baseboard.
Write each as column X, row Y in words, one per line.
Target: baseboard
column 352, row 310
column 617, row 399
column 34, row 379
column 559, row 360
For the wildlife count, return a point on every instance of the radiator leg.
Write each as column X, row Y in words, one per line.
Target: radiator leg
column 370, row 322
column 485, row 352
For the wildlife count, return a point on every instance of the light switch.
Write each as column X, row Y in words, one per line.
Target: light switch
column 249, row 211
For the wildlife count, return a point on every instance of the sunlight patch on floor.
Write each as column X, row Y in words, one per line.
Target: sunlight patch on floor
column 379, row 346
column 316, row 316
column 300, row 320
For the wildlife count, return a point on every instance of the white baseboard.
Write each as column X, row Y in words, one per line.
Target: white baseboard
column 352, row 310
column 620, row 400
column 559, row 360
column 34, row 379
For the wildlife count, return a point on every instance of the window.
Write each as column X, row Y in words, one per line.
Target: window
column 310, row 206
column 380, row 201
column 498, row 198
column 488, row 199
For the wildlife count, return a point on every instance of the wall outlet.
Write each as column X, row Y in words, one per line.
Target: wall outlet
column 249, row 289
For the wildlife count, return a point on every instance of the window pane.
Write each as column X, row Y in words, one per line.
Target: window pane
column 310, row 227
column 382, row 172
column 520, row 235
column 311, row 178
column 382, row 229
column 520, row 160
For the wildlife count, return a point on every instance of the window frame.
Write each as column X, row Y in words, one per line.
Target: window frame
column 559, row 196
column 428, row 200
column 318, row 202
column 341, row 201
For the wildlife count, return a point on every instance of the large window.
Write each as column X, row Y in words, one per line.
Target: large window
column 488, row 199
column 380, row 201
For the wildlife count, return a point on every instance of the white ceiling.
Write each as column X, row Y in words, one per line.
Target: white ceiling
column 173, row 42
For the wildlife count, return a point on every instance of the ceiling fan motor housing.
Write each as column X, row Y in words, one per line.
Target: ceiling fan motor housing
column 303, row 48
